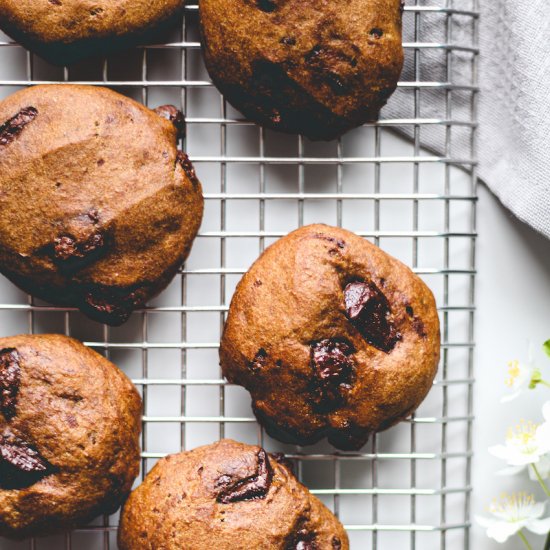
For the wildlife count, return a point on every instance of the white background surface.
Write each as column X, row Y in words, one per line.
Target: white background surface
column 513, row 300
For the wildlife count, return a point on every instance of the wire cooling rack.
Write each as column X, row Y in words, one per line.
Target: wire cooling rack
column 410, row 486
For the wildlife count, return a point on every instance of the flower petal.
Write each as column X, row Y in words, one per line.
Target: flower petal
column 501, row 531
column 510, row 397
column 539, row 526
column 542, row 437
column 484, row 522
column 500, row 451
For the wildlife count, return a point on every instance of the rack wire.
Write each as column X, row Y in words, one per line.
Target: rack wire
column 410, row 486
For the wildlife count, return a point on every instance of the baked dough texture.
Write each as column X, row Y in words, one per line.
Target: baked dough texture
column 99, row 208
column 332, row 337
column 69, row 435
column 63, row 31
column 315, row 68
column 227, row 496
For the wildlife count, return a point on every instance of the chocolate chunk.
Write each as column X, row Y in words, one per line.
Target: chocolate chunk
column 112, row 305
column 376, row 33
column 249, row 488
column 302, row 540
column 267, row 5
column 10, row 378
column 20, row 464
column 175, row 116
column 258, row 363
column 333, row 370
column 14, row 126
column 183, row 160
column 370, row 313
column 336, row 543
column 71, row 253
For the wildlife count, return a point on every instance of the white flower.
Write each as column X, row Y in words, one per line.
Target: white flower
column 543, row 431
column 513, row 513
column 521, row 377
column 524, row 445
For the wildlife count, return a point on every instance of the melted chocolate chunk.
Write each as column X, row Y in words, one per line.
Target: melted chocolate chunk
column 175, row 116
column 70, row 253
column 252, row 487
column 183, row 160
column 258, row 363
column 333, row 369
column 376, row 33
column 336, row 543
column 10, row 378
column 14, row 126
column 113, row 305
column 20, row 464
column 369, row 311
column 302, row 540
column 267, row 5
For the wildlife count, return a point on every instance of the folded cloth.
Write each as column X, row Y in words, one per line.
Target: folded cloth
column 513, row 145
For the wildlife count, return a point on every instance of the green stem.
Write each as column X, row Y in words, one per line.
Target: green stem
column 525, row 541
column 541, row 481
column 547, row 543
column 544, row 383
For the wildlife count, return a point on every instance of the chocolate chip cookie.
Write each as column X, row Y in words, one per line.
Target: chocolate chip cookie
column 63, row 31
column 227, row 496
column 69, row 435
column 314, row 68
column 99, row 208
column 332, row 337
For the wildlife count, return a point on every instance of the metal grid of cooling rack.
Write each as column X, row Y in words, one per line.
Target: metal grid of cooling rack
column 410, row 486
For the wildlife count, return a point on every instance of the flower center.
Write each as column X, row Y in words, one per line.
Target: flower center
column 523, row 436
column 513, row 373
column 515, row 507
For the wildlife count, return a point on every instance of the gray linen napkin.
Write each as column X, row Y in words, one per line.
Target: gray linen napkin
column 514, row 104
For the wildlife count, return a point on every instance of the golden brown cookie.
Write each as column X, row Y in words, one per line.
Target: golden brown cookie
column 69, row 435
column 314, row 68
column 99, row 208
column 227, row 496
column 332, row 337
column 63, row 31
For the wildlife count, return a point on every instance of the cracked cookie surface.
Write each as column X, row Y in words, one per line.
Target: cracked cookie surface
column 332, row 337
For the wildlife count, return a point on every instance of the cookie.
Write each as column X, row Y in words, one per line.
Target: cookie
column 313, row 68
column 64, row 32
column 332, row 337
column 69, row 435
column 99, row 208
column 227, row 496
